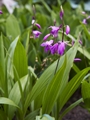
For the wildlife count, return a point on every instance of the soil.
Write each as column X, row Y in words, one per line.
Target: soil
column 78, row 113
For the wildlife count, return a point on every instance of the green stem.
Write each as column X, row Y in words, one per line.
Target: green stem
column 63, row 30
column 57, row 65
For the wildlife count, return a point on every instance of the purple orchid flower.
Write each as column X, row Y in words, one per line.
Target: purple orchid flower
column 54, row 48
column 83, row 12
column 47, row 45
column 38, row 25
column 84, row 21
column 46, row 36
column 36, row 33
column 88, row 17
column 67, row 29
column 1, row 12
column 61, row 14
column 54, row 31
column 61, row 47
column 77, row 59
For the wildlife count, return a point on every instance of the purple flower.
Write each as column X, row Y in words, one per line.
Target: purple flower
column 84, row 21
column 1, row 12
column 61, row 48
column 38, row 25
column 47, row 45
column 73, row 42
column 54, row 48
column 36, row 33
column 61, row 14
column 77, row 59
column 88, row 17
column 46, row 36
column 83, row 12
column 67, row 29
column 54, row 31
column 80, row 42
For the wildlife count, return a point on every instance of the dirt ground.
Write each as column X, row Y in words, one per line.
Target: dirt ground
column 78, row 113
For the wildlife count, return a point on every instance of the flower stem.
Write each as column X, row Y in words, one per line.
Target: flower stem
column 63, row 30
column 57, row 65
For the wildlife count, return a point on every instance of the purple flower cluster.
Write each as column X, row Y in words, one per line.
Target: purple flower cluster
column 52, row 46
column 85, row 19
column 58, row 47
column 36, row 33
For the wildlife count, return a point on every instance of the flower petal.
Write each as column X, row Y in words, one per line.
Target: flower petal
column 84, row 21
column 36, row 33
column 77, row 59
column 38, row 25
column 46, row 36
column 1, row 12
column 67, row 29
column 61, row 48
column 54, row 48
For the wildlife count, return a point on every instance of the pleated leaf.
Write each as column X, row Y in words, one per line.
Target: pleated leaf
column 52, row 90
column 15, row 94
column 12, row 27
column 7, row 101
column 20, row 60
column 71, row 87
column 86, row 93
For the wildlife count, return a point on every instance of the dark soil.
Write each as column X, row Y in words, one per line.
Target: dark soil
column 78, row 113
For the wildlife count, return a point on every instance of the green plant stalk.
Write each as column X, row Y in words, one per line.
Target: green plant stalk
column 57, row 65
column 62, row 41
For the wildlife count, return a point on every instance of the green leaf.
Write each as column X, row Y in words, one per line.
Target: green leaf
column 53, row 90
column 12, row 27
column 84, row 52
column 6, row 42
column 85, row 89
column 32, row 115
column 46, row 6
column 20, row 60
column 32, row 55
column 9, row 65
column 7, row 101
column 10, row 54
column 71, row 87
column 75, row 68
column 86, row 31
column 2, row 63
column 15, row 94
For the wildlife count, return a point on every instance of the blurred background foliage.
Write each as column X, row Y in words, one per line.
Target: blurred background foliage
column 46, row 12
